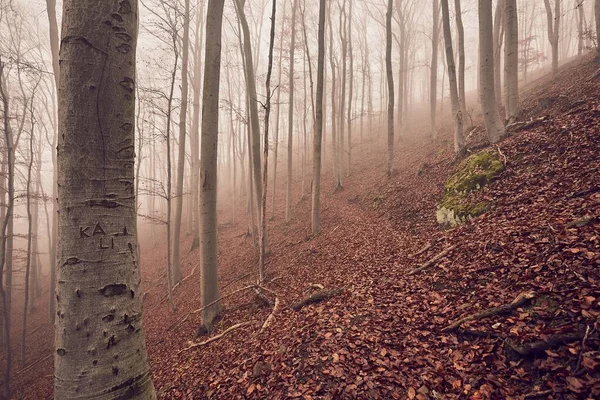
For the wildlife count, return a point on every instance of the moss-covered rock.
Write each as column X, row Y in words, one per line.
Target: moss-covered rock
column 471, row 175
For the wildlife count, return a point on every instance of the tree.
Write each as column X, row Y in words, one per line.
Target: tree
column 460, row 30
column 318, row 128
column 459, row 142
column 553, row 23
column 208, row 164
column 99, row 336
column 390, row 83
column 511, row 59
column 493, row 124
column 288, row 193
column 435, row 35
column 182, row 135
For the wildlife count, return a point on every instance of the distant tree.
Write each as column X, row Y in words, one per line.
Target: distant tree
column 597, row 18
column 390, row 84
column 99, row 335
column 553, row 22
column 433, row 83
column 511, row 59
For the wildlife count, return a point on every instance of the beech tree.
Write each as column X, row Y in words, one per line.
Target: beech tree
column 99, row 337
column 318, row 128
column 511, row 59
column 435, row 36
column 459, row 143
column 390, row 84
column 208, row 164
column 493, row 125
column 553, row 18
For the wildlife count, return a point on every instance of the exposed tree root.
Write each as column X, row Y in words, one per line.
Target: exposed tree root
column 431, row 261
column 505, row 308
column 271, row 316
column 533, row 348
column 316, row 297
column 216, row 337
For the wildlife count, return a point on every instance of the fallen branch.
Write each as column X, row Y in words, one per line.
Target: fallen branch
column 503, row 309
column 33, row 364
column 316, row 297
column 185, row 279
column 535, row 395
column 317, row 286
column 271, row 316
column 583, row 345
column 502, row 155
column 223, row 297
column 216, row 337
column 431, row 261
column 424, row 249
column 534, row 348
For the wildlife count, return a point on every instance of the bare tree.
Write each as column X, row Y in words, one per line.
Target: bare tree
column 317, row 139
column 435, row 35
column 208, row 164
column 390, row 82
column 288, row 193
column 511, row 59
column 493, row 124
column 553, row 22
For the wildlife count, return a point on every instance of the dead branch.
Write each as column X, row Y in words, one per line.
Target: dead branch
column 223, row 297
column 534, row 348
column 185, row 279
column 431, row 261
column 271, row 316
column 581, row 351
column 428, row 246
column 317, row 286
column 503, row 309
column 33, row 364
column 216, row 337
column 316, row 297
column 535, row 395
column 262, row 299
column 504, row 159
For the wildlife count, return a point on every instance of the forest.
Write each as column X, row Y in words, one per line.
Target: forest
column 292, row 199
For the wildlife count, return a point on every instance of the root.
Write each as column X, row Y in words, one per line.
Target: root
column 503, row 309
column 431, row 261
column 533, row 348
column 216, row 337
column 271, row 316
column 316, row 297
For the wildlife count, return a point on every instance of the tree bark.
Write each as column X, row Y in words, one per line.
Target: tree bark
column 597, row 19
column 553, row 22
column 435, row 35
column 290, row 142
column 462, row 100
column 390, row 82
column 511, row 59
column 493, row 124
column 99, row 336
column 459, row 142
column 317, row 140
column 208, row 163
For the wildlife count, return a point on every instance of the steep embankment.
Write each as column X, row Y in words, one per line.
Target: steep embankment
column 382, row 338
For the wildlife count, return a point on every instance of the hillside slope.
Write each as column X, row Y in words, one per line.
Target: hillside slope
column 382, row 337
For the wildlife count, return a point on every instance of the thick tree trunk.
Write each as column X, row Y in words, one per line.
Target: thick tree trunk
column 390, row 85
column 498, row 41
column 316, row 189
column 208, row 164
column 511, row 59
column 553, row 23
column 493, row 124
column 99, row 336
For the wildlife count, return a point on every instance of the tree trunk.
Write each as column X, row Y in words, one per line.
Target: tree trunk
column 511, row 59
column 493, row 124
column 390, row 82
column 350, row 86
column 208, row 164
column 597, row 19
column 182, row 136
column 316, row 189
column 435, row 35
column 99, row 336
column 462, row 100
column 290, row 142
column 263, row 215
column 553, row 22
column 459, row 142
column 498, row 40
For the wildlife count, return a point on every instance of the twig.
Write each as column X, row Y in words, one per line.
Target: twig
column 533, row 348
column 316, row 297
column 517, row 302
column 428, row 246
column 587, row 332
column 431, row 261
column 535, row 395
column 27, row 368
column 216, row 337
column 502, row 155
column 186, row 278
column 223, row 297
column 271, row 316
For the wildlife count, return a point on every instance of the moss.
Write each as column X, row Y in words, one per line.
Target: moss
column 471, row 175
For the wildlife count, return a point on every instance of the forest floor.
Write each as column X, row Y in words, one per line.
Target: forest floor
column 382, row 337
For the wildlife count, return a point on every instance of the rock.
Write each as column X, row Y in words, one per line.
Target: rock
column 472, row 175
